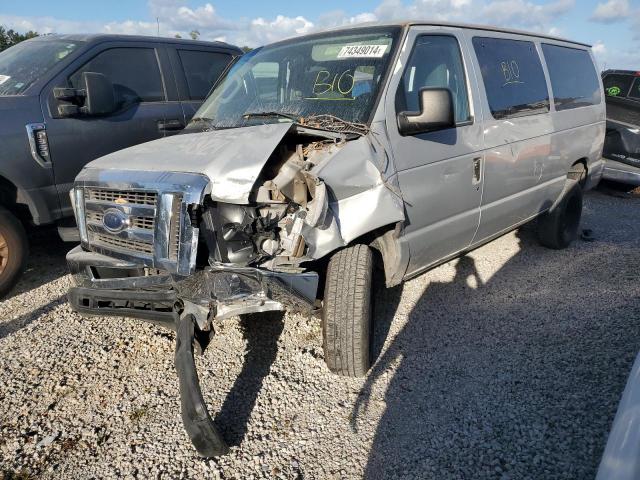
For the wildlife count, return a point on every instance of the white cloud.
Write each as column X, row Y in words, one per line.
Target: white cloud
column 611, row 11
column 520, row 13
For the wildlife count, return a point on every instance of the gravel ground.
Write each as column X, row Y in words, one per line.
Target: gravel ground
column 508, row 363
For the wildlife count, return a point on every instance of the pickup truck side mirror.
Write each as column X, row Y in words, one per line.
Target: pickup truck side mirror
column 436, row 113
column 98, row 97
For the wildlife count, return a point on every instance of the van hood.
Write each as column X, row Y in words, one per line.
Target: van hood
column 232, row 159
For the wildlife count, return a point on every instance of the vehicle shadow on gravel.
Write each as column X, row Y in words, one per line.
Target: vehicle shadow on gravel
column 46, row 260
column 261, row 331
column 12, row 326
column 503, row 379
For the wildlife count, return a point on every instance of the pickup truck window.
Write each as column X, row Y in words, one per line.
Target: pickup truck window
column 574, row 79
column 23, row 64
column 617, row 85
column 202, row 69
column 513, row 77
column 134, row 72
column 635, row 89
column 335, row 74
column 435, row 62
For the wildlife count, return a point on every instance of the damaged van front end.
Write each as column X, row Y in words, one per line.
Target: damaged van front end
column 240, row 236
column 245, row 234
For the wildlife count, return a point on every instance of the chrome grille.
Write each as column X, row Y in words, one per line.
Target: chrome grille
column 115, row 243
column 121, row 197
column 137, row 237
column 174, row 230
column 143, row 223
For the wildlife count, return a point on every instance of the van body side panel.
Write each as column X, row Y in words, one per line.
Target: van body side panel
column 436, row 171
column 516, row 151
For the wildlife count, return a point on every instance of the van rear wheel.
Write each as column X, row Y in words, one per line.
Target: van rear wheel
column 13, row 250
column 346, row 313
column 558, row 227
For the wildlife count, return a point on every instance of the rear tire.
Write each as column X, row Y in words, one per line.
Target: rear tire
column 14, row 249
column 346, row 313
column 558, row 227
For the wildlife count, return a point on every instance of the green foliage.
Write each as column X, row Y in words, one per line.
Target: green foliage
column 8, row 38
column 246, row 49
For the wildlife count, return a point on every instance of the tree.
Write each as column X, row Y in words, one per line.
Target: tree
column 246, row 49
column 8, row 38
column 194, row 34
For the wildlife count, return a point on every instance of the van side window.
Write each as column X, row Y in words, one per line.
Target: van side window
column 574, row 80
column 202, row 69
column 435, row 62
column 134, row 73
column 513, row 77
column 617, row 85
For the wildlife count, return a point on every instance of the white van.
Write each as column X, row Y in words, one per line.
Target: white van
column 403, row 144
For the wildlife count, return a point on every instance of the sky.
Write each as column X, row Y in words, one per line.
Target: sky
column 611, row 26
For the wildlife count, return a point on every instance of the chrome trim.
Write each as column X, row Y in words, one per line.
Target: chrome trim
column 32, row 128
column 79, row 210
column 170, row 187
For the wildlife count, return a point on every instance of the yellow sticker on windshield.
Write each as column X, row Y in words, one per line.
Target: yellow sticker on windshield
column 362, row 51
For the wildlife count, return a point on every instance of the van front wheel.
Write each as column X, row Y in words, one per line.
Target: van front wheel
column 13, row 251
column 558, row 227
column 346, row 313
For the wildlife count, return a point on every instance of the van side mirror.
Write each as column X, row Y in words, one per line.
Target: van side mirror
column 100, row 96
column 436, row 113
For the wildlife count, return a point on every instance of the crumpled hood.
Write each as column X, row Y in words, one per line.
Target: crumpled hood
column 232, row 159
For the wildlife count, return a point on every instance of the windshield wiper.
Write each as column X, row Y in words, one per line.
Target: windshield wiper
column 249, row 115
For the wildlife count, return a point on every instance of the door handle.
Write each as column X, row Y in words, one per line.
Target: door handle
column 169, row 125
column 477, row 170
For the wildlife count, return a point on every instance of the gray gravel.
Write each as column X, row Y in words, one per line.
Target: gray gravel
column 508, row 363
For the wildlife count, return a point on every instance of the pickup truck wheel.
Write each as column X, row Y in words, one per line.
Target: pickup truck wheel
column 13, row 251
column 346, row 313
column 558, row 227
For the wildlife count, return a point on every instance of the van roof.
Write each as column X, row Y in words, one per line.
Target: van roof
column 100, row 37
column 438, row 23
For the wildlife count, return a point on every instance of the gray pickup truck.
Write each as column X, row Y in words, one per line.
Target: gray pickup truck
column 68, row 99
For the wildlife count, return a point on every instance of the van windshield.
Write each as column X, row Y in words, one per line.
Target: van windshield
column 334, row 77
column 26, row 62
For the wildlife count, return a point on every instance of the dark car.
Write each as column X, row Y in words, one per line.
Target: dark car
column 622, row 143
column 68, row 99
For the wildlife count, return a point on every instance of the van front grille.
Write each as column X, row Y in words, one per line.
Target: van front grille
column 120, row 197
column 142, row 223
column 120, row 244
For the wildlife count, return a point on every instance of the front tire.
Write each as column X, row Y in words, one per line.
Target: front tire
column 558, row 227
column 14, row 249
column 346, row 313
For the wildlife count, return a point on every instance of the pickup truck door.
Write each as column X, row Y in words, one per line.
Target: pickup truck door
column 197, row 68
column 440, row 173
column 141, row 75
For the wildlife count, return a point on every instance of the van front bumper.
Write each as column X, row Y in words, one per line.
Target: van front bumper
column 108, row 286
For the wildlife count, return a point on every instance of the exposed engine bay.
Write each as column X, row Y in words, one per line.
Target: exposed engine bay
column 289, row 217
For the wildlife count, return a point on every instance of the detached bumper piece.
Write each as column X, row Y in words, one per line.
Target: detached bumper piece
column 195, row 416
column 154, row 307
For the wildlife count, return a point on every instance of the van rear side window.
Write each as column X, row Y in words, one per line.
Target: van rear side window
column 513, row 77
column 574, row 80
